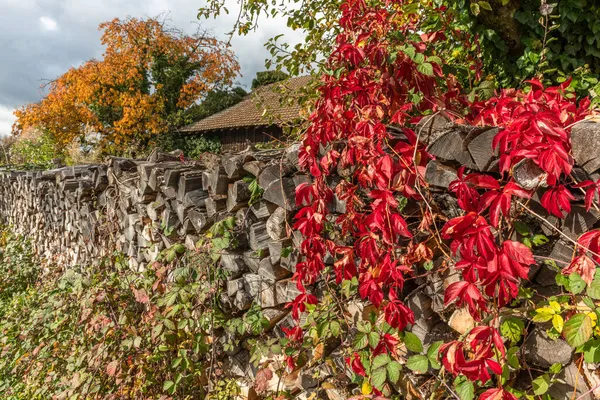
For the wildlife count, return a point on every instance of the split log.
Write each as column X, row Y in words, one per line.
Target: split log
column 253, row 167
column 585, row 143
column 263, row 209
column 218, row 182
column 233, row 263
column 439, row 175
column 277, row 224
column 259, row 238
column 199, row 220
column 214, row 205
column 238, row 195
column 481, row 149
column 272, row 271
column 282, row 192
column 189, row 181
column 234, row 165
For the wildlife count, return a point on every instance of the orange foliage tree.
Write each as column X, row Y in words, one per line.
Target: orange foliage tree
column 149, row 73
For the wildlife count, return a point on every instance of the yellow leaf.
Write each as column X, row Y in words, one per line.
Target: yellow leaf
column 543, row 314
column 594, row 318
column 366, row 387
column 555, row 306
column 558, row 322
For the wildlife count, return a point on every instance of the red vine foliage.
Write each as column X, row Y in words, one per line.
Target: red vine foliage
column 373, row 83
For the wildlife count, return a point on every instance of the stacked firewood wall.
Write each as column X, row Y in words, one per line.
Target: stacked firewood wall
column 76, row 215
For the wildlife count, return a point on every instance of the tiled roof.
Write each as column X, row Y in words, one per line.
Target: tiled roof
column 274, row 104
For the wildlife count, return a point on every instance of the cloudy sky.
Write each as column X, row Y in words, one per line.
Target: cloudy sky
column 41, row 39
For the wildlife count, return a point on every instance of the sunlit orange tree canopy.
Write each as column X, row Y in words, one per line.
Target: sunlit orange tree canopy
column 149, row 73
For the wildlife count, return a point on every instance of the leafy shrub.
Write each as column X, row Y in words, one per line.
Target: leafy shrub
column 34, row 149
column 191, row 145
column 107, row 332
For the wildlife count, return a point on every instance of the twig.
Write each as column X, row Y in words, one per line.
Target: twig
column 544, row 220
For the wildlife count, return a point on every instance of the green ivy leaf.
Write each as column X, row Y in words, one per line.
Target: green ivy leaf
column 541, row 384
column 543, row 314
column 512, row 329
column 176, row 362
column 578, row 329
column 520, row 227
column 475, row 9
column 373, row 339
column 412, row 342
column 555, row 368
column 512, row 357
column 418, row 363
column 539, row 239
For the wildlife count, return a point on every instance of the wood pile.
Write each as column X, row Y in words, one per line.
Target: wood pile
column 77, row 215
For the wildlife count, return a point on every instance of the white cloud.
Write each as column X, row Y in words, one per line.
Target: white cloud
column 48, row 24
column 6, row 120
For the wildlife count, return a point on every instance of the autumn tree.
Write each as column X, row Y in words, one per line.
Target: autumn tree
column 149, row 72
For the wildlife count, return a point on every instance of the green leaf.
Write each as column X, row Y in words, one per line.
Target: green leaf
column 176, row 362
column 378, row 377
column 335, row 328
column 412, row 342
column 485, row 5
column 432, row 354
column 576, row 283
column 425, row 68
column 169, row 387
column 360, row 341
column 519, row 226
column 512, row 329
column 541, row 384
column 475, row 9
column 373, row 339
column 512, row 357
column 464, row 388
column 555, row 368
column 380, row 361
column 393, row 371
column 562, row 280
column 594, row 288
column 418, row 363
column 539, row 239
column 591, row 351
column 578, row 329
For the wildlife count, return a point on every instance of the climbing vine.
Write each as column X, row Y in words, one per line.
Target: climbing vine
column 382, row 73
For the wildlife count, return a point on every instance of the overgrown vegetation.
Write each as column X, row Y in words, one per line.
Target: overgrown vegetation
column 191, row 145
column 107, row 332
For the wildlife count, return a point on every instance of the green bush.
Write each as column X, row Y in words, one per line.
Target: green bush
column 191, row 145
column 35, row 151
